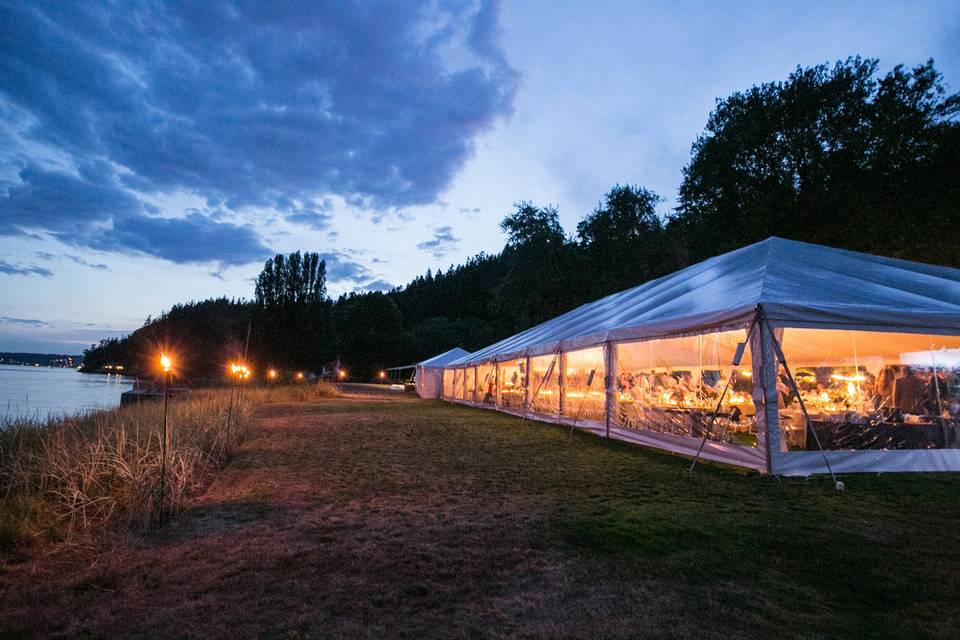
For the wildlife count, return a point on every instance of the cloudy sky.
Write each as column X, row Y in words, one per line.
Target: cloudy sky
column 160, row 153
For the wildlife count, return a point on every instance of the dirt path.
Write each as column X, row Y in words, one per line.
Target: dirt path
column 325, row 523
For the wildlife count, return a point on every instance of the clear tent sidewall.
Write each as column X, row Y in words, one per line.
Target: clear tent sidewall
column 769, row 453
column 587, row 402
column 784, row 461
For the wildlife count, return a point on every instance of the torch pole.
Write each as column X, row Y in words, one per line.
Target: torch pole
column 236, row 385
column 165, row 442
column 230, row 410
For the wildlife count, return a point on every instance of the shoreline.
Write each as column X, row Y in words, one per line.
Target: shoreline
column 64, row 477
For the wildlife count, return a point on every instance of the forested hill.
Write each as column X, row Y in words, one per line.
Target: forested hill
column 837, row 155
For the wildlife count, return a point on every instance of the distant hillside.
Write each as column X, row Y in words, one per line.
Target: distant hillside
column 41, row 359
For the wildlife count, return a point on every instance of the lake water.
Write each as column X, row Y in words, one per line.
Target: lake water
column 38, row 392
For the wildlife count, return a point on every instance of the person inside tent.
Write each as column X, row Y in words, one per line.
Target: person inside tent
column 910, row 392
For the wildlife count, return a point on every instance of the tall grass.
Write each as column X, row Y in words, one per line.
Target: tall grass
column 69, row 475
column 306, row 392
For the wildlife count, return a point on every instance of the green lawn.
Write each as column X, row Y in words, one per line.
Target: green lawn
column 422, row 519
column 743, row 555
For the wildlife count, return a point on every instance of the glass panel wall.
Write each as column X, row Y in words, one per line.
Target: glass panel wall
column 486, row 384
column 513, row 381
column 462, row 384
column 870, row 390
column 584, row 395
column 673, row 386
column 544, row 390
column 471, row 385
column 458, row 384
column 448, row 383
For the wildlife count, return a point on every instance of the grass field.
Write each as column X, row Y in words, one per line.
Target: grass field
column 367, row 518
column 69, row 476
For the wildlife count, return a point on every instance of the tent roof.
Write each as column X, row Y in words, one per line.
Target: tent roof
column 796, row 283
column 445, row 358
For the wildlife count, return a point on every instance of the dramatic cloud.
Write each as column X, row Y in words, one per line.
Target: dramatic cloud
column 90, row 210
column 243, row 104
column 191, row 239
column 64, row 204
column 313, row 219
column 23, row 270
column 342, row 268
column 442, row 243
column 46, row 255
column 99, row 266
column 26, row 322
column 345, row 273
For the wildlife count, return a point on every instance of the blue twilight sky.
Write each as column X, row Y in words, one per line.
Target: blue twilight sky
column 158, row 152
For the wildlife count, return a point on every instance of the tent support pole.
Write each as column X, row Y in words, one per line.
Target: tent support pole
column 561, row 384
column 526, row 385
column 610, row 400
column 778, row 351
column 768, row 377
column 737, row 357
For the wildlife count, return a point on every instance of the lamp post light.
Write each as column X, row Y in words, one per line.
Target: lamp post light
column 167, row 366
column 243, row 373
column 272, row 375
column 234, row 369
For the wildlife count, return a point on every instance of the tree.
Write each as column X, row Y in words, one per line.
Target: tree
column 622, row 239
column 292, row 323
column 529, row 225
column 368, row 327
column 831, row 155
column 541, row 267
column 293, row 279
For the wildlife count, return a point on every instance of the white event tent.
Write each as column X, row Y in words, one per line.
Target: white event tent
column 428, row 376
column 785, row 357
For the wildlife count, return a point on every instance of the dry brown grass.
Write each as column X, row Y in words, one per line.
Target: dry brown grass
column 355, row 518
column 306, row 392
column 66, row 476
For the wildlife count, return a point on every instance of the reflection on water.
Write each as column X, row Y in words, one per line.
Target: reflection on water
column 39, row 392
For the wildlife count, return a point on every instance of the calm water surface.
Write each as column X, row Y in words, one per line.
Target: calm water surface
column 39, row 392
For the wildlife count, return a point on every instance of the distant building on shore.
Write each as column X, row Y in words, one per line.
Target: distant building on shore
column 41, row 360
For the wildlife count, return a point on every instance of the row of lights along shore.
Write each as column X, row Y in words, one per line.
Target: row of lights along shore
column 239, row 372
